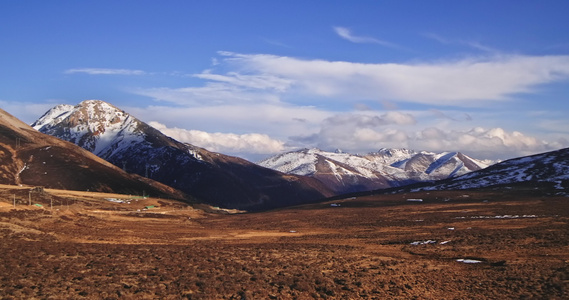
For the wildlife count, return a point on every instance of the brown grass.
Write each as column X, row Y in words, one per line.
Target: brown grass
column 96, row 249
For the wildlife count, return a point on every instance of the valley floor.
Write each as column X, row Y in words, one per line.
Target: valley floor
column 438, row 245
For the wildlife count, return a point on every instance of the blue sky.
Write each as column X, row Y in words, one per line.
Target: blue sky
column 254, row 78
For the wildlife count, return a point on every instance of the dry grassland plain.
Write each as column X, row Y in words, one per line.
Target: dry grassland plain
column 449, row 245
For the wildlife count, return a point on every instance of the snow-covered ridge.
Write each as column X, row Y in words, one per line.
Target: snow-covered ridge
column 53, row 116
column 387, row 167
column 551, row 167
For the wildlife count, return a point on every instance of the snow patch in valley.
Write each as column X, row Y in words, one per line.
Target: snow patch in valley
column 414, row 200
column 423, row 242
column 468, row 261
column 500, row 217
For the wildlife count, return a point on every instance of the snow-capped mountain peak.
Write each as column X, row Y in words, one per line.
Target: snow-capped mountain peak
column 94, row 125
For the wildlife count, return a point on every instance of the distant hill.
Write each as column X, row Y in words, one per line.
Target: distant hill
column 33, row 158
column 346, row 173
column 217, row 179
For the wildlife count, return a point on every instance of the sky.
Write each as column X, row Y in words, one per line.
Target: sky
column 257, row 78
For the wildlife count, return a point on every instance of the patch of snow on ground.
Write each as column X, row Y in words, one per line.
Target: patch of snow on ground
column 468, row 261
column 423, row 242
column 115, row 200
column 23, row 169
column 500, row 217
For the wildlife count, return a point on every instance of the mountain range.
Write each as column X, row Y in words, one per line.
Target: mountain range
column 136, row 147
column 386, row 168
column 129, row 145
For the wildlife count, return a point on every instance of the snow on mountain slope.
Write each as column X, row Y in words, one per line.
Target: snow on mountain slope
column 551, row 167
column 131, row 144
column 53, row 116
column 386, row 168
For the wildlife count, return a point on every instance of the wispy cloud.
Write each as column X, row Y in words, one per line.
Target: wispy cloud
column 346, row 34
column 276, row 43
column 472, row 44
column 212, row 93
column 102, row 71
column 259, row 81
column 468, row 82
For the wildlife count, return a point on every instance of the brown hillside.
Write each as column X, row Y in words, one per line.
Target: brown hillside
column 33, row 158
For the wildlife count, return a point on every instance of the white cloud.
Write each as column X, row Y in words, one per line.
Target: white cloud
column 101, row 71
column 346, row 34
column 494, row 143
column 358, row 132
column 468, row 82
column 229, row 143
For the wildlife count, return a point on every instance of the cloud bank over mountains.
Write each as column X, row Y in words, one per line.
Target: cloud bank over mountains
column 275, row 103
column 367, row 133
